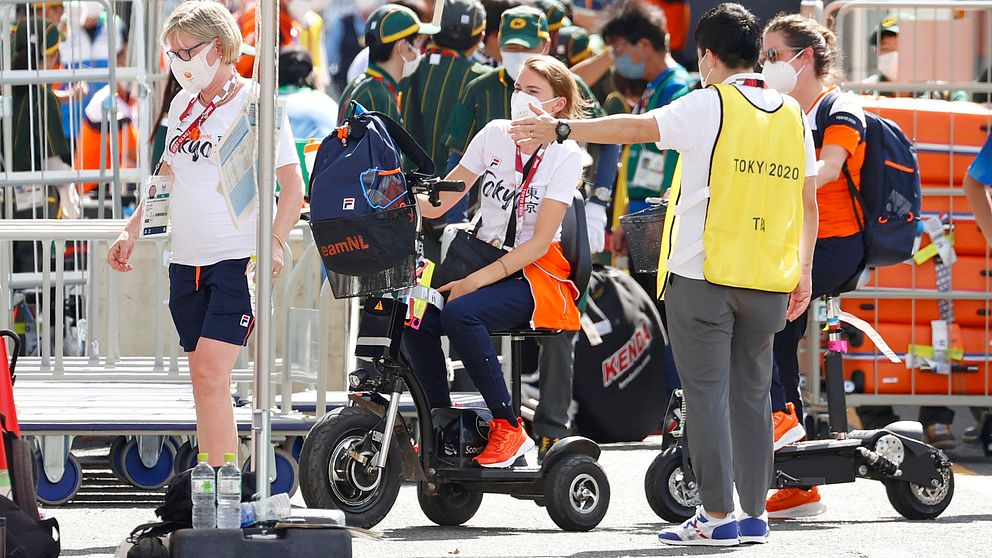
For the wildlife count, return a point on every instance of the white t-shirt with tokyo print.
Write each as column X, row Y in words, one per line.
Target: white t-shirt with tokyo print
column 492, row 155
column 203, row 231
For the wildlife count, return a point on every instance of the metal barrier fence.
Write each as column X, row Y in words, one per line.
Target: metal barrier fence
column 902, row 301
column 300, row 356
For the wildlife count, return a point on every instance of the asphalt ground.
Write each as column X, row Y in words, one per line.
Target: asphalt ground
column 858, row 522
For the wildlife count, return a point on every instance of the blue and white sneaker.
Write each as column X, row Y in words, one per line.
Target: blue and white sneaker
column 753, row 529
column 703, row 530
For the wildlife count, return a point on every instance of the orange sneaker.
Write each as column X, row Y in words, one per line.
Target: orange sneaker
column 789, row 503
column 506, row 444
column 787, row 427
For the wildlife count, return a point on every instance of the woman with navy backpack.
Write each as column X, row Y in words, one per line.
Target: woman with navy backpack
column 800, row 57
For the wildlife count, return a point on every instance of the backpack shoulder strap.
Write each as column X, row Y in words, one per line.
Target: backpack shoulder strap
column 823, row 112
column 407, row 144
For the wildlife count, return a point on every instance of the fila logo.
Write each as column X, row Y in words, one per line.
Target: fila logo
column 495, row 162
column 245, row 320
column 348, row 204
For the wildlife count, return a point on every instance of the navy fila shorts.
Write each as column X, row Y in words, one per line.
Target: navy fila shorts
column 213, row 301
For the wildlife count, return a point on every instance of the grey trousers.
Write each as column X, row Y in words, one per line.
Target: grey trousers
column 556, row 363
column 722, row 340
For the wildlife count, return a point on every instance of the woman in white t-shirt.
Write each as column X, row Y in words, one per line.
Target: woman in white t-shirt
column 525, row 193
column 210, row 292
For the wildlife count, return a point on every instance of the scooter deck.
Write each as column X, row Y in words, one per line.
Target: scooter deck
column 816, row 462
column 817, row 446
column 510, row 474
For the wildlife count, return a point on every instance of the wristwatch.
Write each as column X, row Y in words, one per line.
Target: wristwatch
column 603, row 194
column 563, row 130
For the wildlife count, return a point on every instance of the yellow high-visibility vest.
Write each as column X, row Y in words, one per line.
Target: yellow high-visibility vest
column 754, row 213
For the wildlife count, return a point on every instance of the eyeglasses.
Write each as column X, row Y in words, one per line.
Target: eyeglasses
column 184, row 54
column 772, row 54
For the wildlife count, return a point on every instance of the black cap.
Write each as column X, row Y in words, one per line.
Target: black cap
column 462, row 19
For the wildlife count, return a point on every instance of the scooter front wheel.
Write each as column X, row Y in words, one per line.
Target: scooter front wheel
column 914, row 501
column 451, row 504
column 576, row 493
column 669, row 494
column 336, row 467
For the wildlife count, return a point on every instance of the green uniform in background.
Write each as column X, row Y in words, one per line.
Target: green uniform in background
column 430, row 94
column 374, row 90
column 649, row 169
column 487, row 98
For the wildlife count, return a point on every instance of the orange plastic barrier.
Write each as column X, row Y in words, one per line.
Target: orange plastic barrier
column 968, row 238
column 870, row 370
column 936, row 126
column 968, row 273
column 972, row 313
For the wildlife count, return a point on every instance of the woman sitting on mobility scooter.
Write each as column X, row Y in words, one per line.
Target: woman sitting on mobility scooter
column 525, row 194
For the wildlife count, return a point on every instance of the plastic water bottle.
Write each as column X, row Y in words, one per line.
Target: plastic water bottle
column 204, row 494
column 273, row 508
column 229, row 494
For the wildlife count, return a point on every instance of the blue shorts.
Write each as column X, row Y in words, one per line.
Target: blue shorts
column 211, row 301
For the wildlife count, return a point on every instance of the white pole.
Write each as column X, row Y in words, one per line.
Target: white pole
column 261, row 425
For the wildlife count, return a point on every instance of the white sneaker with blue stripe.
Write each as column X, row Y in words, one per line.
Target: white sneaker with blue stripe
column 703, row 530
column 753, row 529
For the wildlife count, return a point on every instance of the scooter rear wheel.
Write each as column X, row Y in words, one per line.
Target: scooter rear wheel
column 667, row 492
column 913, row 501
column 451, row 506
column 576, row 492
column 331, row 477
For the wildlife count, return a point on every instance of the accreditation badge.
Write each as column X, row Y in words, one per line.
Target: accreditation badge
column 157, row 191
column 650, row 171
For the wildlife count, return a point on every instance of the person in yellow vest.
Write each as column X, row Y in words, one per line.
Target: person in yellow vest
column 735, row 262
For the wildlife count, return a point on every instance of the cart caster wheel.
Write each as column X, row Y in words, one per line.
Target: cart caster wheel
column 114, row 458
column 451, row 506
column 296, row 448
column 913, row 501
column 185, row 458
column 576, row 493
column 56, row 493
column 333, row 478
column 666, row 489
column 287, row 479
column 147, row 478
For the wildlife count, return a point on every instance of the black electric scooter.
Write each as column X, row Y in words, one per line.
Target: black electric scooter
column 355, row 457
column 918, row 478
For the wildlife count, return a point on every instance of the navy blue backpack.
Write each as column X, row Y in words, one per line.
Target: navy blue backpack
column 362, row 215
column 890, row 195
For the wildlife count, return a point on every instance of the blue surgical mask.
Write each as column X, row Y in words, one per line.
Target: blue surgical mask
column 627, row 68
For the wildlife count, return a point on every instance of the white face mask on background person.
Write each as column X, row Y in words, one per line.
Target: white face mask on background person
column 888, row 65
column 520, row 102
column 704, row 81
column 195, row 75
column 513, row 62
column 410, row 66
column 781, row 76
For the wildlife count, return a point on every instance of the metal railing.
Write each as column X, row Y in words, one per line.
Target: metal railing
column 850, row 19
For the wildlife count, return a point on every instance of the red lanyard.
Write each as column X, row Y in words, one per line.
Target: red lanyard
column 193, row 131
column 524, row 181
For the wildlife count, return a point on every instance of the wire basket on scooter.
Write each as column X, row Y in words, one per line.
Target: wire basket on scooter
column 643, row 233
column 371, row 254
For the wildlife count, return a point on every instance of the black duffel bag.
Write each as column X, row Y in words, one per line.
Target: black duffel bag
column 619, row 383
